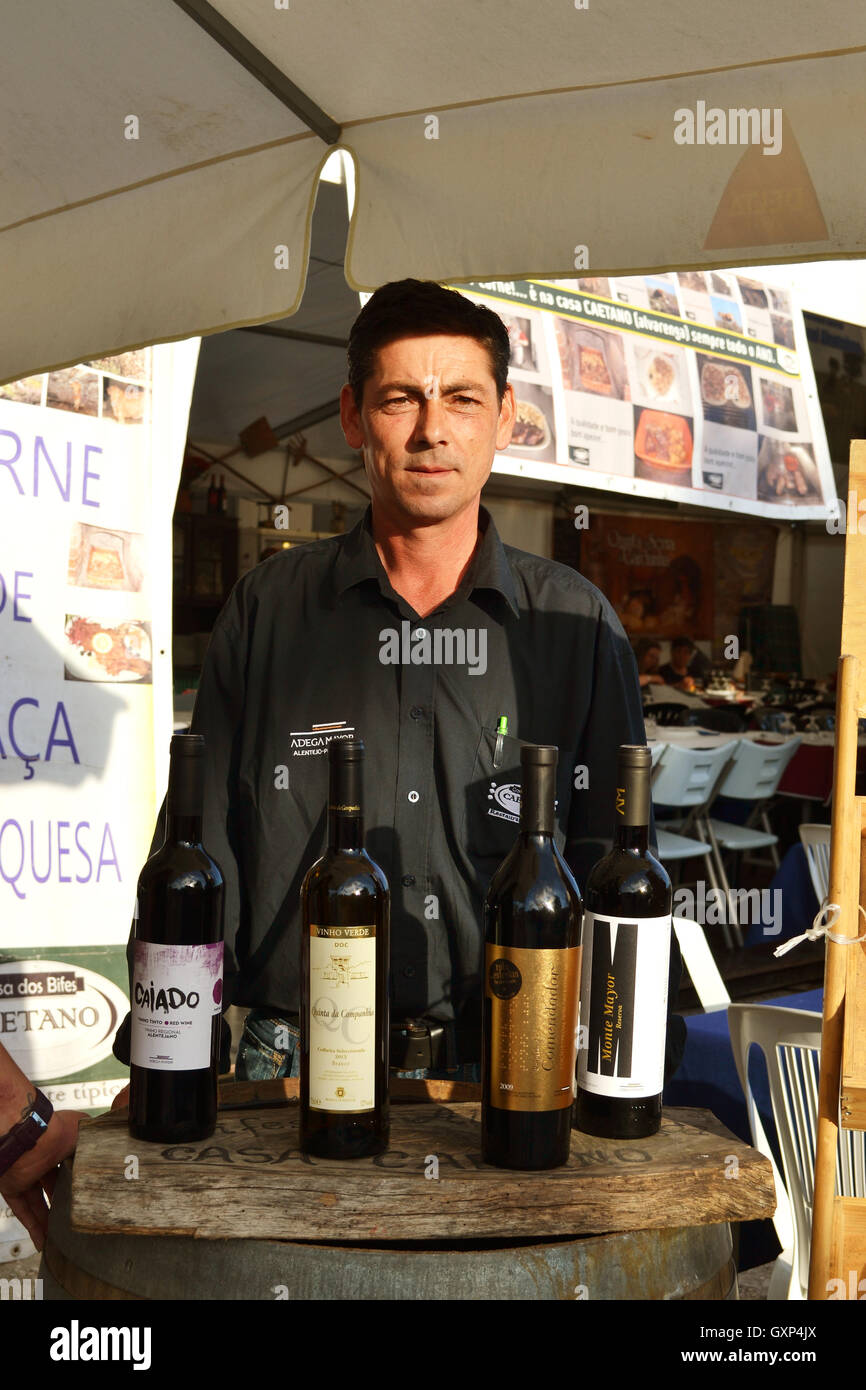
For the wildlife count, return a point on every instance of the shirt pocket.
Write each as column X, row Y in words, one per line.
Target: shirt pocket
column 492, row 816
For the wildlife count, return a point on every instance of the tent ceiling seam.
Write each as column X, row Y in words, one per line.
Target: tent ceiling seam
column 604, row 86
column 156, row 178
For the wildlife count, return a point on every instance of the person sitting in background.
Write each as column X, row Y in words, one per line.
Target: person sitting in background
column 676, row 671
column 34, row 1139
column 648, row 654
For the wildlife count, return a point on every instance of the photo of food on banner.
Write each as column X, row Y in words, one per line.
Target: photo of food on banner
column 727, row 395
column 592, row 360
column 663, row 446
column 787, row 472
column 533, row 432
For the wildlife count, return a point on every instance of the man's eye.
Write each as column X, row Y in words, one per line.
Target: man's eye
column 396, row 400
column 466, row 400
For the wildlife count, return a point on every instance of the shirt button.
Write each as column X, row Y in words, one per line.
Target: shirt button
column 416, row 712
column 408, row 971
column 408, row 880
column 421, row 632
column 413, row 797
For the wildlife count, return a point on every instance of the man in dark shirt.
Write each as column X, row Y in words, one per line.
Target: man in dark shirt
column 418, row 631
column 676, row 672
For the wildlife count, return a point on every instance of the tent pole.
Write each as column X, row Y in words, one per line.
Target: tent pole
column 261, row 68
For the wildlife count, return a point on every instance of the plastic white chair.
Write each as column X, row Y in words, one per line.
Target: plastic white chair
column 754, row 773
column 686, row 778
column 700, row 963
column 791, row 1041
column 815, row 840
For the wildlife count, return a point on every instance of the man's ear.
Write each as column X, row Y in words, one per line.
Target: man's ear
column 507, row 411
column 350, row 419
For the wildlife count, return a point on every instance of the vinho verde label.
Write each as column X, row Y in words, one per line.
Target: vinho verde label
column 533, row 997
column 623, row 1005
column 342, row 1024
column 176, row 990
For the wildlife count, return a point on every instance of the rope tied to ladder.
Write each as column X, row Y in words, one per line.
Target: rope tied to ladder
column 820, row 928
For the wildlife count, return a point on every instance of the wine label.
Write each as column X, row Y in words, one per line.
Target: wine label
column 623, row 1005
column 176, row 990
column 533, row 1002
column 342, row 1018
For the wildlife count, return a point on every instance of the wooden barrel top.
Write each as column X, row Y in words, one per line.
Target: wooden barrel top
column 251, row 1180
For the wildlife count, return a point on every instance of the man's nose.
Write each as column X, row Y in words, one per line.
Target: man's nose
column 431, row 425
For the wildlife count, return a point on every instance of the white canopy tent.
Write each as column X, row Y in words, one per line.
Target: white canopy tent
column 162, row 160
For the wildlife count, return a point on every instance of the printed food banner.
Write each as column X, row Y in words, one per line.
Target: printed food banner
column 90, row 459
column 695, row 386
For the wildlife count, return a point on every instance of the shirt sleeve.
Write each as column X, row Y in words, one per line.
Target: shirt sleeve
column 218, row 716
column 615, row 716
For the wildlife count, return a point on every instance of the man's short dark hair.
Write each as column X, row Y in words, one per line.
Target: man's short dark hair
column 417, row 309
column 682, row 642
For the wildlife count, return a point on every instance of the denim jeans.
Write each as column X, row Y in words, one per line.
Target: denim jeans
column 270, row 1048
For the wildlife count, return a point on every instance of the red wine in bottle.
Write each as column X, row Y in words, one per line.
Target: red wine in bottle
column 344, row 1018
column 177, row 968
column 624, row 985
column 531, row 982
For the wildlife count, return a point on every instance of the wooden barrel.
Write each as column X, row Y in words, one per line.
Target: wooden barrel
column 677, row 1263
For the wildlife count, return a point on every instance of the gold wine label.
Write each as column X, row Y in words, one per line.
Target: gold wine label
column 533, row 999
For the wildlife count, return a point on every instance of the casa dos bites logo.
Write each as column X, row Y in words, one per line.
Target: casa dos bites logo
column 57, row 1019
column 506, row 801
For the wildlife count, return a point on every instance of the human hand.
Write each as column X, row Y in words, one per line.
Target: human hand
column 25, row 1185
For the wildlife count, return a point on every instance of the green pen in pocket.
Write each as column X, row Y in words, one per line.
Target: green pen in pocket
column 501, row 731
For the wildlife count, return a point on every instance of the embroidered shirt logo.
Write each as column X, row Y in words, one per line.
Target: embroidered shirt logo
column 506, row 798
column 307, row 743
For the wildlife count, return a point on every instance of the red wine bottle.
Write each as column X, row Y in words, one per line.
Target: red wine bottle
column 177, row 968
column 344, row 1017
column 626, row 958
column 531, row 982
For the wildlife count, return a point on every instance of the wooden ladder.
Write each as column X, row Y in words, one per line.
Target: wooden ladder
column 838, row 1250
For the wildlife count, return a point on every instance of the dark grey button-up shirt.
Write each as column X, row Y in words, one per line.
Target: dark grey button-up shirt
column 314, row 644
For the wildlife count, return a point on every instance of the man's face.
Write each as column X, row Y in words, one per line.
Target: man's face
column 652, row 658
column 429, row 426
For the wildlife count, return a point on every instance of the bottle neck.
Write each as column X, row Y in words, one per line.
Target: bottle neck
column 181, row 829
column 632, row 837
column 537, row 802
column 345, row 833
column 185, row 799
column 345, row 807
column 631, row 828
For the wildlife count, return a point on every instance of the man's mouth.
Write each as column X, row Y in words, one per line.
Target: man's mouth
column 430, row 471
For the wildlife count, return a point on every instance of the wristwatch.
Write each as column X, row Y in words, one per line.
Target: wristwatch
column 26, row 1133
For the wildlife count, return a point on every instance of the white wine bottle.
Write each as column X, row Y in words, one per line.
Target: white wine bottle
column 345, row 907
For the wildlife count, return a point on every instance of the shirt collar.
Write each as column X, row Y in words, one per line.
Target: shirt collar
column 358, row 560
